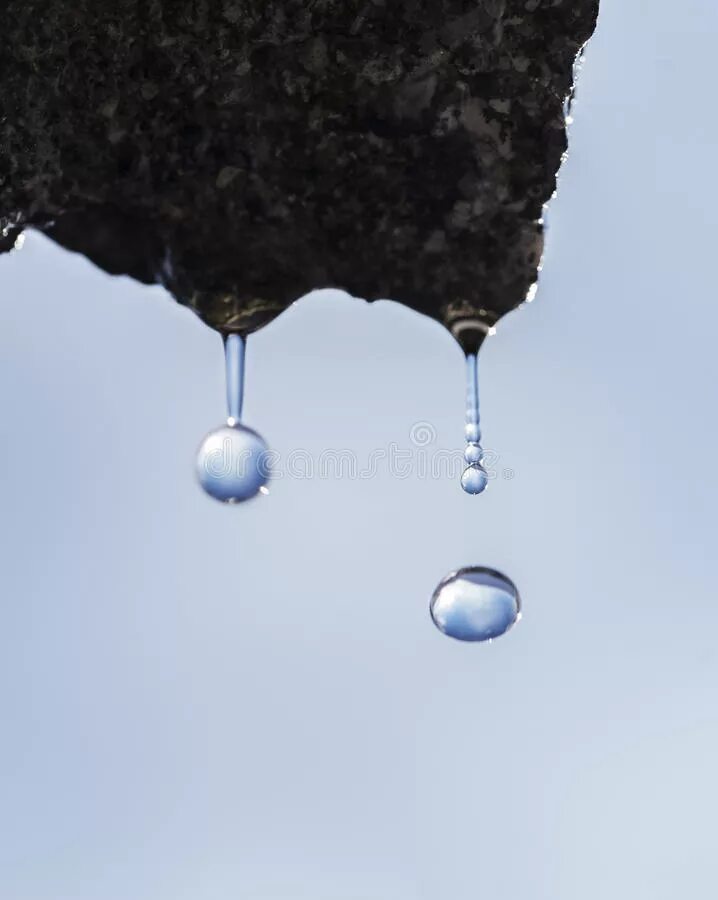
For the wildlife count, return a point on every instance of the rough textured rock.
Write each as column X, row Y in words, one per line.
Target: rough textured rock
column 247, row 151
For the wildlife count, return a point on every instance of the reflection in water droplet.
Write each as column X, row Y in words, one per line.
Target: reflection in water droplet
column 233, row 460
column 475, row 604
column 475, row 479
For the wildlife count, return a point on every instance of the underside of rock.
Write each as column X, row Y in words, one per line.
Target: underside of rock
column 245, row 152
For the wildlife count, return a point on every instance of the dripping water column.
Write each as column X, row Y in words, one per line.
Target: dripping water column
column 475, row 604
column 233, row 460
column 475, row 478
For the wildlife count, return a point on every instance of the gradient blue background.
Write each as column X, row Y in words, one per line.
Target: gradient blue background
column 252, row 703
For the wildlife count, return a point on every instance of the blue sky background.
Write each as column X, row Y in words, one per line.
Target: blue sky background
column 215, row 703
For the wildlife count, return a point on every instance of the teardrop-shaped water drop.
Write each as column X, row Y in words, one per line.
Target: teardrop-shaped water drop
column 233, row 460
column 475, row 604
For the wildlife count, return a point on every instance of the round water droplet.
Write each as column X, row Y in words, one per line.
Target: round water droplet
column 475, row 479
column 473, row 454
column 233, row 464
column 475, row 604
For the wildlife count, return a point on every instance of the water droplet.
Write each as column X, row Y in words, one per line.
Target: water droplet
column 233, row 460
column 232, row 464
column 475, row 604
column 475, row 478
column 473, row 454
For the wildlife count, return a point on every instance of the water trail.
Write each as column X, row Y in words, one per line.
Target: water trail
column 475, row 479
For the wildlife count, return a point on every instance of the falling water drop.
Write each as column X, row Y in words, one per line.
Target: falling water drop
column 475, row 604
column 475, row 478
column 232, row 462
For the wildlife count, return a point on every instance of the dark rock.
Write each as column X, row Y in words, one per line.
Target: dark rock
column 245, row 152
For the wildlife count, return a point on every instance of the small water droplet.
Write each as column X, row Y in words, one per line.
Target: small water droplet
column 475, row 604
column 475, row 479
column 233, row 460
column 232, row 464
column 473, row 454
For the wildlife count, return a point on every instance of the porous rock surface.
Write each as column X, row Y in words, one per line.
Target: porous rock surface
column 245, row 152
